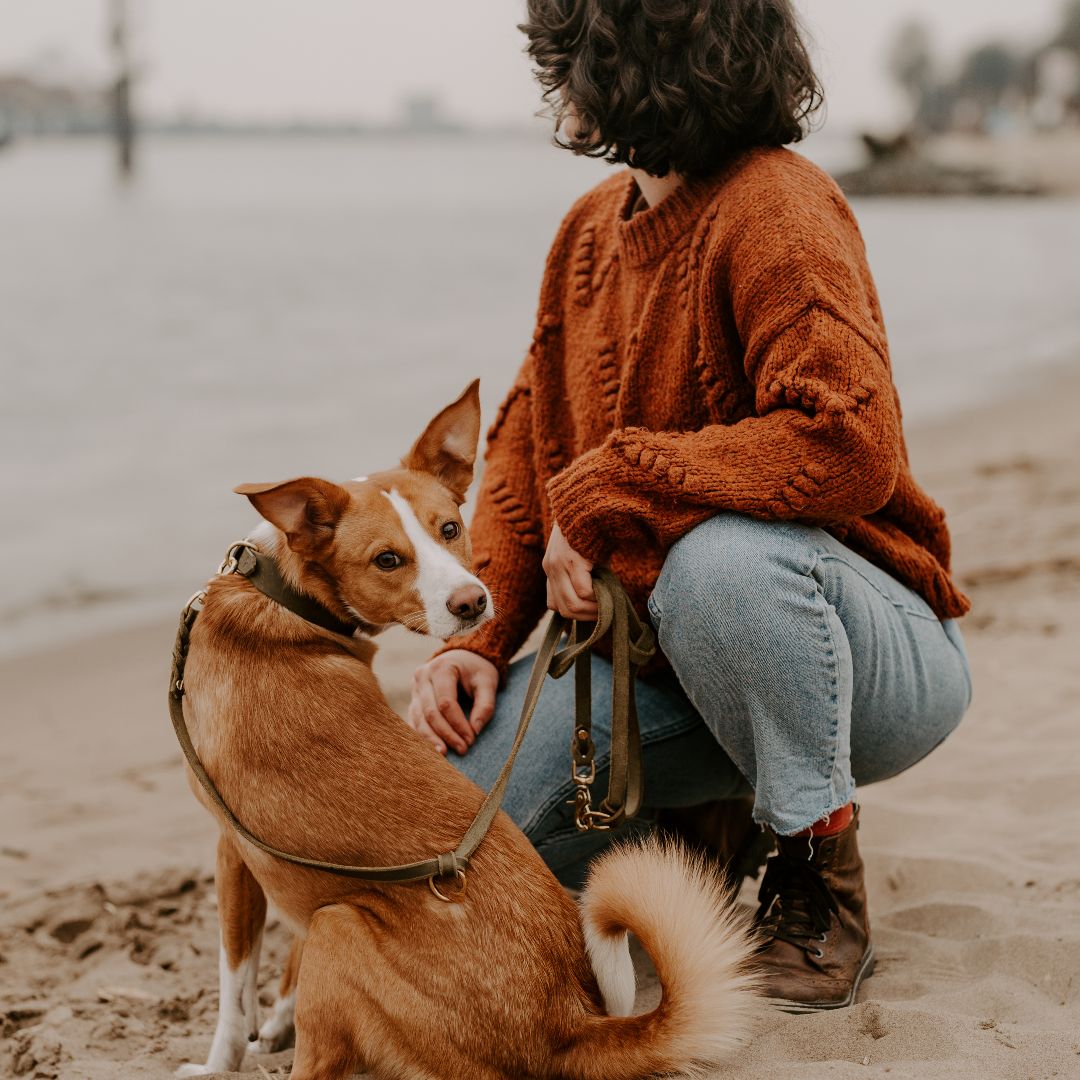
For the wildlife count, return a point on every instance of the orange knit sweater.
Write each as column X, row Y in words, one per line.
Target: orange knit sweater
column 722, row 350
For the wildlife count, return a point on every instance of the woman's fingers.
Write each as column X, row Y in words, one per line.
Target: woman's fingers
column 570, row 588
column 440, row 708
column 415, row 719
column 482, row 686
column 561, row 596
column 434, row 709
column 580, row 577
column 565, row 599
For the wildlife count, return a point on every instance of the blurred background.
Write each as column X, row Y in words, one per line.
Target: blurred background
column 248, row 241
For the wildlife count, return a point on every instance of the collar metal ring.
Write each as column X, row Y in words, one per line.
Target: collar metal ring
column 456, row 894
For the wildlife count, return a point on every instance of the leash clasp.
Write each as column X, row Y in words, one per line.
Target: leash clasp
column 586, row 818
column 583, row 773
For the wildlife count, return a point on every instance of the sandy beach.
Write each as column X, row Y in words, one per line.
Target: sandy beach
column 108, row 934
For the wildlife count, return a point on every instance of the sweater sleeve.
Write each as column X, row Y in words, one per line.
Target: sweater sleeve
column 507, row 533
column 823, row 444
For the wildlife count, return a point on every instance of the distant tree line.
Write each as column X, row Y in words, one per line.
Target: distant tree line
column 997, row 85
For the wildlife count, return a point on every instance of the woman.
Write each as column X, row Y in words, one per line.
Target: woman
column 708, row 408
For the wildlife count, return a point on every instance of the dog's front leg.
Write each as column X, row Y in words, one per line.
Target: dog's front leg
column 241, row 914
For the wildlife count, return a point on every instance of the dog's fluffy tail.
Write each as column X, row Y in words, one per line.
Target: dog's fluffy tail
column 701, row 949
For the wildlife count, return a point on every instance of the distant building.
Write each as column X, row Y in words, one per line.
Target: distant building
column 998, row 88
column 423, row 113
column 1057, row 88
column 30, row 106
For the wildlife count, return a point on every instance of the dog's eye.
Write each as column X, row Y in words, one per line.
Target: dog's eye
column 451, row 530
column 387, row 560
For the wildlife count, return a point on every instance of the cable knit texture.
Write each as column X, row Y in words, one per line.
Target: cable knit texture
column 722, row 350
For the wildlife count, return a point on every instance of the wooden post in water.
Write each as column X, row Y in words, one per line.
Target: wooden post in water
column 123, row 116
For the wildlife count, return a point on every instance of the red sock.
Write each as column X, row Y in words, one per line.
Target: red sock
column 836, row 822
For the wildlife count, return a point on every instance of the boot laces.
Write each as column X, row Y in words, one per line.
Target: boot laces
column 795, row 903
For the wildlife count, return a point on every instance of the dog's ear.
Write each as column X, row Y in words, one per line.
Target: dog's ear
column 447, row 449
column 306, row 510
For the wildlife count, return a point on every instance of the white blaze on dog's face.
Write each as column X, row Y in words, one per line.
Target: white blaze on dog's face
column 450, row 596
column 391, row 547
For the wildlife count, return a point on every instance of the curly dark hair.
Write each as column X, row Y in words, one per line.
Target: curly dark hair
column 672, row 84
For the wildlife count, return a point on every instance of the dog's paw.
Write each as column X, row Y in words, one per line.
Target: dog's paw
column 191, row 1069
column 277, row 1032
column 272, row 1038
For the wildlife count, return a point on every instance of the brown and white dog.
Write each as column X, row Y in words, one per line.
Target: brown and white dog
column 509, row 981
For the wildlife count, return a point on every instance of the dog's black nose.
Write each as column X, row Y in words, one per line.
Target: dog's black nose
column 468, row 602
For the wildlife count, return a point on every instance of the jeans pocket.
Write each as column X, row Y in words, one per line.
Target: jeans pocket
column 883, row 583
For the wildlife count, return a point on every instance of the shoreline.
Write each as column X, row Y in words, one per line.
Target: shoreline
column 107, row 918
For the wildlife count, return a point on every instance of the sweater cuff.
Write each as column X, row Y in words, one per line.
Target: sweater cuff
column 578, row 506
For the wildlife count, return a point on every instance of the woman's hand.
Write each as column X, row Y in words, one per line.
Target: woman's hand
column 434, row 710
column 569, row 579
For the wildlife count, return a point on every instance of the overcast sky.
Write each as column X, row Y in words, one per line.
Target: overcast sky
column 359, row 58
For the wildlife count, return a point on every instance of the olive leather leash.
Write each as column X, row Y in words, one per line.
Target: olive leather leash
column 632, row 644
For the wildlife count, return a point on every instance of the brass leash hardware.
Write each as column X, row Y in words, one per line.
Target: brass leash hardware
column 583, row 773
column 456, row 894
column 240, row 558
column 632, row 644
column 585, row 817
column 451, row 870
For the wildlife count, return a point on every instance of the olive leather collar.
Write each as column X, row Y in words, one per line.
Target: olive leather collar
column 263, row 572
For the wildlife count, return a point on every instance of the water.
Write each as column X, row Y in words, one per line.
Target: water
column 258, row 309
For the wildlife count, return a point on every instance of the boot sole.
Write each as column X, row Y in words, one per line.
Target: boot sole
column 866, row 969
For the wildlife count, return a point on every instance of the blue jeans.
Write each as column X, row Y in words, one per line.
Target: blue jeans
column 798, row 669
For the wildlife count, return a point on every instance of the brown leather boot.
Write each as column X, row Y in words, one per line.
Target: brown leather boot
column 813, row 922
column 723, row 831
